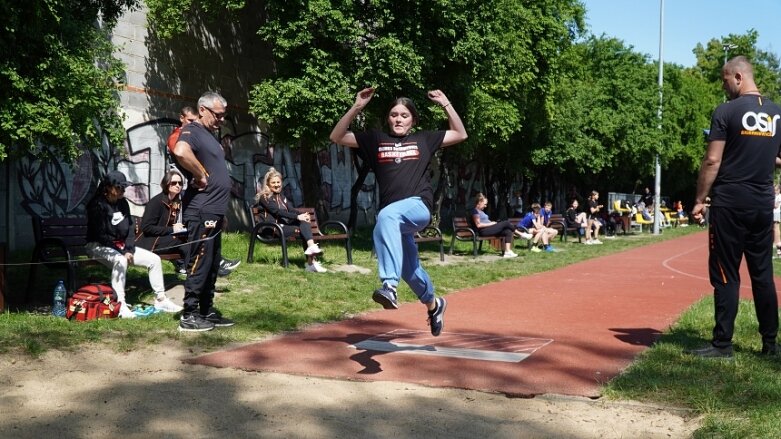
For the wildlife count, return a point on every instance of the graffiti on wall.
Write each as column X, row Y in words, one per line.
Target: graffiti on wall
column 55, row 189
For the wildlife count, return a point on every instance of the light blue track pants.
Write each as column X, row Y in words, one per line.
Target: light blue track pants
column 397, row 252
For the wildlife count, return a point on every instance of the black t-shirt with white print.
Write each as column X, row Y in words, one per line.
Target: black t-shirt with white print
column 749, row 126
column 214, row 198
column 401, row 164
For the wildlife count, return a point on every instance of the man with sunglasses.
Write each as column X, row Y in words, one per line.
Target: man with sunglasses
column 205, row 202
column 188, row 115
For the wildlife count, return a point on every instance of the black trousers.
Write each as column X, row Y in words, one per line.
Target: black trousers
column 202, row 260
column 502, row 228
column 735, row 233
column 304, row 227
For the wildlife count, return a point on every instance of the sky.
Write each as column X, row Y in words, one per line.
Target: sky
column 686, row 23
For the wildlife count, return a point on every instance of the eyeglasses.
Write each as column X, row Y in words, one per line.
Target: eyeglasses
column 175, row 183
column 219, row 116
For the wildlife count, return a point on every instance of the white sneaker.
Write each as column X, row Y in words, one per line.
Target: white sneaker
column 596, row 241
column 125, row 312
column 315, row 267
column 526, row 235
column 588, row 242
column 313, row 249
column 166, row 305
column 509, row 254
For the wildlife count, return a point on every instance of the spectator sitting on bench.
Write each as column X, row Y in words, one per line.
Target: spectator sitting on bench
column 574, row 217
column 546, row 213
column 161, row 225
column 533, row 222
column 486, row 227
column 111, row 241
column 274, row 207
column 594, row 223
column 645, row 211
column 680, row 213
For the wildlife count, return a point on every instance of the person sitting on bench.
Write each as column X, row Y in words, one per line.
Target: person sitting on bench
column 274, row 207
column 486, row 227
column 161, row 225
column 111, row 241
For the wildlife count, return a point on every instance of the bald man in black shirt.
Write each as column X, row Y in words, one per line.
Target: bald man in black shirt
column 737, row 172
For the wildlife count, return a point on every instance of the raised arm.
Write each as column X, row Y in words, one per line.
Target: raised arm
column 341, row 134
column 457, row 132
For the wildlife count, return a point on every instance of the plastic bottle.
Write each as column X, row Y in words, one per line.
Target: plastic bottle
column 58, row 307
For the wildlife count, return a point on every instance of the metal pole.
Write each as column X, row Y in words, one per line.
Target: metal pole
column 658, row 165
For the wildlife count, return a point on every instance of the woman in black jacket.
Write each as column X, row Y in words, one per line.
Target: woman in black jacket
column 161, row 225
column 274, row 207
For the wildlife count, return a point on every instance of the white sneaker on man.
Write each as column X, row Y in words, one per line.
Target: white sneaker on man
column 166, row 305
column 125, row 312
column 315, row 267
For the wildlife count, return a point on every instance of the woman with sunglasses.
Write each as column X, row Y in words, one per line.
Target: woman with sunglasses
column 161, row 226
column 111, row 241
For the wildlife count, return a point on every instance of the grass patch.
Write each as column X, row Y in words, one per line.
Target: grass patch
column 738, row 399
column 266, row 298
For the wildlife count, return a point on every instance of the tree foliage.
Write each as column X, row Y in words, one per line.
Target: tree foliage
column 541, row 103
column 767, row 73
column 495, row 59
column 59, row 76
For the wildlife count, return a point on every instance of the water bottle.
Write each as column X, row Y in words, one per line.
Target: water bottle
column 58, row 307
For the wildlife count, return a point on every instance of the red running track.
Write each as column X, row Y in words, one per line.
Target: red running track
column 566, row 331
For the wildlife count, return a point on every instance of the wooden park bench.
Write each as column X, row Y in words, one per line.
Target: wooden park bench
column 558, row 222
column 464, row 232
column 60, row 244
column 269, row 232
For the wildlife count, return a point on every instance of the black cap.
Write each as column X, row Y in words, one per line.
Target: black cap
column 117, row 179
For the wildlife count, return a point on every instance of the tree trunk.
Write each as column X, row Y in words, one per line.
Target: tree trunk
column 310, row 182
column 363, row 170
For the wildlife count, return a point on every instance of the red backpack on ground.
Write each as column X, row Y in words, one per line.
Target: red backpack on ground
column 94, row 301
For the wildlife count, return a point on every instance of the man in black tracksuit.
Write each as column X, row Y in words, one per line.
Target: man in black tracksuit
column 205, row 203
column 737, row 172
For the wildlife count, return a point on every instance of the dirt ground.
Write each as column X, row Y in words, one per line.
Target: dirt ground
column 151, row 393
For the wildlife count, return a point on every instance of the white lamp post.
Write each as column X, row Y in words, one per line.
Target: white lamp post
column 658, row 165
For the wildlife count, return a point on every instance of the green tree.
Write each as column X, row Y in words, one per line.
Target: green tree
column 494, row 58
column 59, row 76
column 767, row 73
column 605, row 121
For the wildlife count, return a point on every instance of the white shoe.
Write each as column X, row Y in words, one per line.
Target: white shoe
column 313, row 249
column 315, row 267
column 526, row 235
column 588, row 242
column 509, row 254
column 166, row 305
column 125, row 312
column 596, row 241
